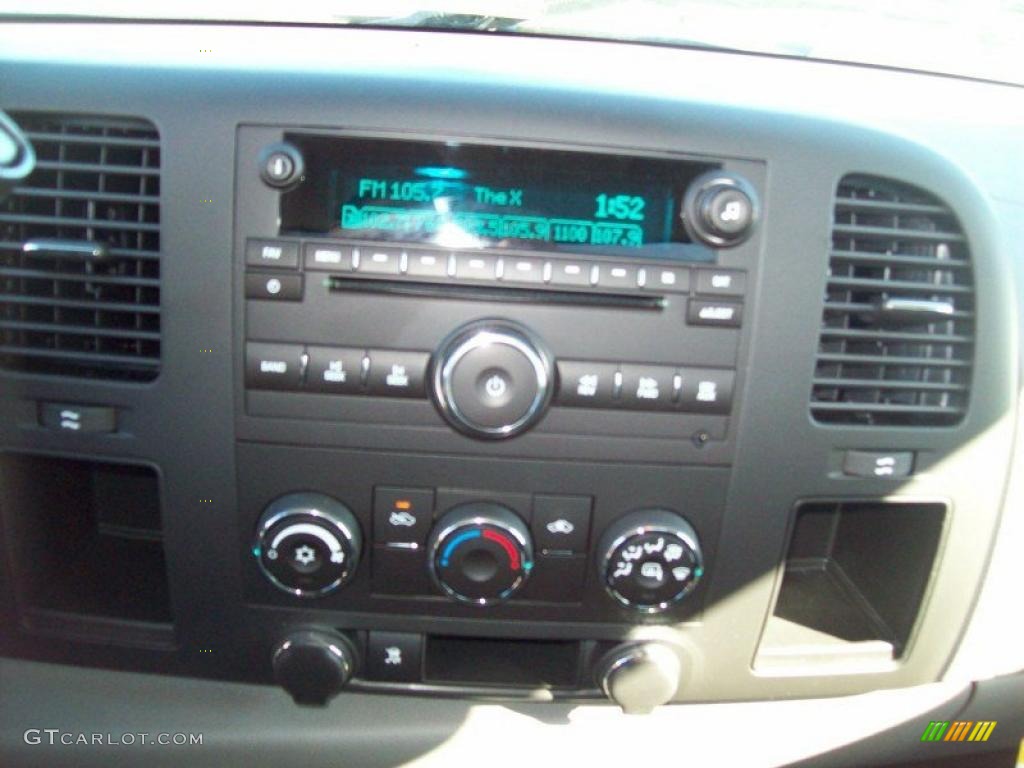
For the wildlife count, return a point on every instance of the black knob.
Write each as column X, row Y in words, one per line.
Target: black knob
column 640, row 676
column 492, row 379
column 281, row 165
column 650, row 559
column 480, row 553
column 313, row 665
column 308, row 544
column 720, row 209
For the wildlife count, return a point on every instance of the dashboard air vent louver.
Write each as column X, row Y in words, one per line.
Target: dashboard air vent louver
column 897, row 337
column 80, row 251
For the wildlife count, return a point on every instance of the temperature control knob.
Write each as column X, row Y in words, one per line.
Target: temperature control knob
column 308, row 544
column 480, row 553
column 651, row 559
column 492, row 379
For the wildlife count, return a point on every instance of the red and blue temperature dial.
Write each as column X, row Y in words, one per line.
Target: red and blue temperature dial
column 480, row 553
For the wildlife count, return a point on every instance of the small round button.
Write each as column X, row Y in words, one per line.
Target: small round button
column 720, row 209
column 281, row 165
column 727, row 211
column 492, row 380
column 307, row 544
column 651, row 559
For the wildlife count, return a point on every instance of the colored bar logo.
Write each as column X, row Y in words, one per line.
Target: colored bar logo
column 958, row 730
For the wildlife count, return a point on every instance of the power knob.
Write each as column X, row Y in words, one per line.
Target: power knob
column 308, row 544
column 492, row 379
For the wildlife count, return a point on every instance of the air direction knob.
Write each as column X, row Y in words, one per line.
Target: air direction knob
column 651, row 559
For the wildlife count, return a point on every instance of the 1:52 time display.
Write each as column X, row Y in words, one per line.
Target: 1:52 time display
column 621, row 207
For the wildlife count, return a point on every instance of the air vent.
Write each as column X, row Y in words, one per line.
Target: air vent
column 80, row 251
column 897, row 337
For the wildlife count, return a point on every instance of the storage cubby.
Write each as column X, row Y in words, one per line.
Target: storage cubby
column 481, row 661
column 84, row 544
column 854, row 580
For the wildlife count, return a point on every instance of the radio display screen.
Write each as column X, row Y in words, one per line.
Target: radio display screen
column 467, row 196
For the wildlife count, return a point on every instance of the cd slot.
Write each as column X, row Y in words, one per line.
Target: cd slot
column 502, row 294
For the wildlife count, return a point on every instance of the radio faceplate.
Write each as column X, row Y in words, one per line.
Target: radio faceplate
column 341, row 335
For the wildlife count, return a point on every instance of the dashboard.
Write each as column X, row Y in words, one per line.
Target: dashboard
column 505, row 381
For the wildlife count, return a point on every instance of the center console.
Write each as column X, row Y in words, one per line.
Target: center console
column 487, row 382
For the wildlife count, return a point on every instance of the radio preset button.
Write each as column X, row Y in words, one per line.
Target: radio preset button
column 275, row 287
column 721, row 282
column 334, row 369
column 522, row 269
column 648, row 387
column 273, row 366
column 586, row 385
column 427, row 264
column 475, row 266
column 706, row 390
column 334, row 257
column 374, row 260
column 570, row 273
column 398, row 374
column 616, row 276
column 722, row 314
column 272, row 253
column 666, row 279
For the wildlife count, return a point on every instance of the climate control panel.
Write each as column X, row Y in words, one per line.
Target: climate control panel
column 479, row 552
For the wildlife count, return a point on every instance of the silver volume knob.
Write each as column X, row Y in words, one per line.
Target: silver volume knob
column 492, row 379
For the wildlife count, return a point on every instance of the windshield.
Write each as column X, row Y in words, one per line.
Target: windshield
column 972, row 38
